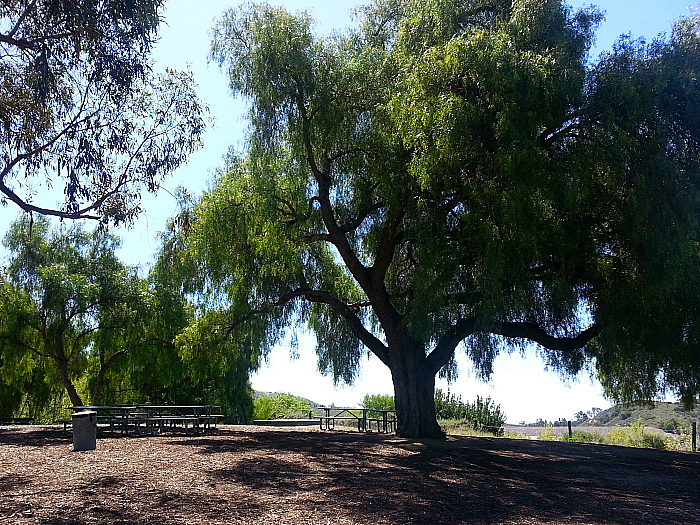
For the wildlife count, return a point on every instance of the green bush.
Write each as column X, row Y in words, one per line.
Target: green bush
column 547, row 434
column 263, row 408
column 280, row 406
column 515, row 435
column 672, row 425
column 461, row 427
column 581, row 436
column 633, row 436
column 377, row 402
column 638, row 437
column 484, row 415
column 682, row 441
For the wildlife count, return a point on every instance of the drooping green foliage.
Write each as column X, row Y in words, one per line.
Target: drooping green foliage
column 25, row 381
column 455, row 173
column 202, row 362
column 75, row 319
column 81, row 109
column 69, row 304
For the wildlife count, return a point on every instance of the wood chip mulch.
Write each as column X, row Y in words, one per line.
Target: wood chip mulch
column 242, row 475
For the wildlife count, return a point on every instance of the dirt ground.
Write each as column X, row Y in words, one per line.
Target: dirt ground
column 278, row 476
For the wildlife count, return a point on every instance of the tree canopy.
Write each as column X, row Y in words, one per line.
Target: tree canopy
column 67, row 296
column 457, row 174
column 75, row 319
column 81, row 109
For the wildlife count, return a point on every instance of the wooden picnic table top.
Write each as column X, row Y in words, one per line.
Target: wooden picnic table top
column 144, row 419
column 102, row 407
column 165, row 407
column 134, row 407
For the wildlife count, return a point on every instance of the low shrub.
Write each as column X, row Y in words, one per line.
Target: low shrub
column 461, row 427
column 547, row 434
column 633, row 436
column 280, row 406
column 509, row 434
column 582, row 436
column 682, row 441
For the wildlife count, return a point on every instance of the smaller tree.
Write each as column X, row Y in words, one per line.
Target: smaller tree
column 378, row 402
column 593, row 412
column 68, row 295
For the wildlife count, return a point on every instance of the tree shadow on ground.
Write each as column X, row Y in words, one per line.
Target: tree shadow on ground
column 243, row 475
column 103, row 500
column 468, row 480
column 28, row 436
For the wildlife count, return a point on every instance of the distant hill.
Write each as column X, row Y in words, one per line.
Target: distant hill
column 257, row 394
column 666, row 416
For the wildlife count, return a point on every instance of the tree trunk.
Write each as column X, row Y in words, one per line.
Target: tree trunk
column 98, row 388
column 105, row 366
column 67, row 383
column 414, row 395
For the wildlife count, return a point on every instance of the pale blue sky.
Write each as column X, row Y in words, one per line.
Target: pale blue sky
column 520, row 385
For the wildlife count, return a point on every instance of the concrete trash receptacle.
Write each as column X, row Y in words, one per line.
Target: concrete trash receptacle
column 85, row 430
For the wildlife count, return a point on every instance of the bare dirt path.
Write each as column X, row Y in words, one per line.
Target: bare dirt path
column 281, row 476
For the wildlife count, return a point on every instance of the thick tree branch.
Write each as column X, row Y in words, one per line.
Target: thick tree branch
column 357, row 221
column 335, row 232
column 445, row 347
column 10, row 340
column 469, row 326
column 317, row 296
column 27, row 207
column 536, row 334
column 346, row 311
column 21, row 19
column 110, row 361
column 311, row 238
column 573, row 123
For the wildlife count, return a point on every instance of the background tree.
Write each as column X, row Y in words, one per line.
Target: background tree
column 189, row 359
column 69, row 296
column 378, row 402
column 73, row 316
column 26, row 384
column 454, row 173
column 80, row 107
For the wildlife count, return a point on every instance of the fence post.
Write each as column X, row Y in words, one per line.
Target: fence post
column 695, row 434
column 570, row 433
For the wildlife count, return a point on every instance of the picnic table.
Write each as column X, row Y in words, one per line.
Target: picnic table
column 16, row 420
column 364, row 418
column 164, row 417
column 150, row 419
column 116, row 416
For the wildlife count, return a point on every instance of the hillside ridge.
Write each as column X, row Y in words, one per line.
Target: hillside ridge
column 663, row 415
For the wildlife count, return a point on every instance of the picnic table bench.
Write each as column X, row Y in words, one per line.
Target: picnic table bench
column 150, row 419
column 16, row 420
column 364, row 418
